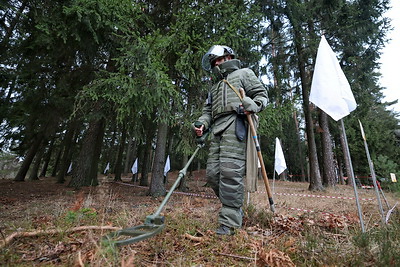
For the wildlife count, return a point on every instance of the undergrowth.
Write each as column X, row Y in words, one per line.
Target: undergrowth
column 188, row 238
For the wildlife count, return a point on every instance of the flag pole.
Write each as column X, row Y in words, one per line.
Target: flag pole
column 371, row 167
column 352, row 177
column 273, row 182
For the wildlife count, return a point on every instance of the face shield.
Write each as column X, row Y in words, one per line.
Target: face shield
column 213, row 53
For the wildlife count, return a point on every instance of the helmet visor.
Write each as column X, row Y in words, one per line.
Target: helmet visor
column 213, row 53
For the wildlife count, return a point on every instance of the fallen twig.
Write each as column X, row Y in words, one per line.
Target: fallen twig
column 15, row 235
column 80, row 262
column 194, row 238
column 237, row 256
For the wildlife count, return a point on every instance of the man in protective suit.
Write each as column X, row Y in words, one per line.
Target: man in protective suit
column 225, row 112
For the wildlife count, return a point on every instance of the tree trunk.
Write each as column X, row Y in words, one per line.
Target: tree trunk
column 145, row 164
column 84, row 172
column 300, row 149
column 139, row 156
column 110, row 154
column 47, row 158
column 340, row 168
column 346, row 159
column 118, row 162
column 327, row 153
column 66, row 155
column 23, row 170
column 157, row 187
column 146, row 160
column 315, row 176
column 129, row 155
column 293, row 16
column 57, row 163
column 36, row 164
column 182, row 185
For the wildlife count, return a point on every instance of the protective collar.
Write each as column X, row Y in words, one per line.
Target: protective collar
column 221, row 71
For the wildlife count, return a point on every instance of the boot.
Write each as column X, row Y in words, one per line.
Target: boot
column 225, row 230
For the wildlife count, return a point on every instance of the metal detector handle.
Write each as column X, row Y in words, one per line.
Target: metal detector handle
column 200, row 140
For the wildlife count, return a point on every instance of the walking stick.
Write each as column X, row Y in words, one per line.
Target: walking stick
column 260, row 157
column 257, row 144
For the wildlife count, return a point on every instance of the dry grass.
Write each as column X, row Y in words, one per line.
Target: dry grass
column 329, row 234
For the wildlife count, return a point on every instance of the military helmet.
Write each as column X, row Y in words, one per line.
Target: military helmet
column 215, row 52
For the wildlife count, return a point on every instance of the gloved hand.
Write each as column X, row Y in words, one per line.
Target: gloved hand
column 249, row 105
column 198, row 128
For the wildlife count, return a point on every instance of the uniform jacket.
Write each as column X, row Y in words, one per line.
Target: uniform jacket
column 220, row 109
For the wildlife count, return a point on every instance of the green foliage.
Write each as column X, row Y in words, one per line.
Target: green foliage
column 381, row 245
column 81, row 215
column 139, row 61
column 384, row 166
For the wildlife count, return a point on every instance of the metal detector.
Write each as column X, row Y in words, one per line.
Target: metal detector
column 154, row 223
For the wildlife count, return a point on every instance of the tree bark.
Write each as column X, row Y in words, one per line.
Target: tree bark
column 23, row 170
column 121, row 148
column 315, row 176
column 129, row 155
column 293, row 16
column 300, row 149
column 84, row 172
column 47, row 158
column 346, row 159
column 329, row 175
column 157, row 187
column 36, row 163
column 66, row 148
column 146, row 160
column 57, row 163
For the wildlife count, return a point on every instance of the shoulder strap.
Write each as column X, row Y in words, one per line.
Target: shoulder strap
column 233, row 88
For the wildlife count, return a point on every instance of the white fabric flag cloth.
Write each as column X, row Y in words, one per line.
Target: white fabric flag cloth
column 134, row 167
column 330, row 90
column 167, row 166
column 280, row 163
column 107, row 167
column 69, row 168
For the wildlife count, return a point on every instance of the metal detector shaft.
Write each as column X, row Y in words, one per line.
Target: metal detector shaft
column 154, row 223
column 182, row 173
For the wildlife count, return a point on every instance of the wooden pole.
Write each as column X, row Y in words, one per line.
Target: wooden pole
column 260, row 157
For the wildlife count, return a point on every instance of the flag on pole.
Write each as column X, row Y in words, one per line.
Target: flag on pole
column 69, row 168
column 330, row 90
column 280, row 163
column 135, row 167
column 107, row 168
column 167, row 166
column 393, row 177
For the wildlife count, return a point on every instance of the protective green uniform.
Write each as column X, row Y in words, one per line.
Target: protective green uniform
column 226, row 165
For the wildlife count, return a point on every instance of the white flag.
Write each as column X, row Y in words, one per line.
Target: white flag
column 330, row 90
column 70, row 168
column 167, row 166
column 107, row 167
column 280, row 163
column 134, row 167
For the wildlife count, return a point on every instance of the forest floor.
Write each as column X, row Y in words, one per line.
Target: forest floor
column 43, row 223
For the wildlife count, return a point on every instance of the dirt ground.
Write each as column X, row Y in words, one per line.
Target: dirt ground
column 30, row 205
column 21, row 199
